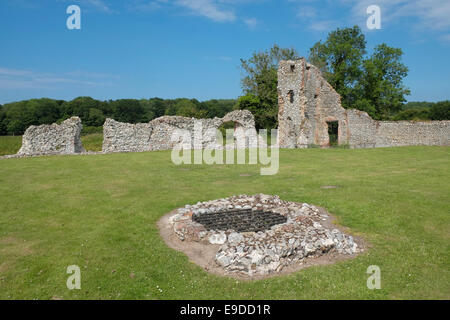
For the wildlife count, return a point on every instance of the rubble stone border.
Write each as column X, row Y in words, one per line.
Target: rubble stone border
column 308, row 237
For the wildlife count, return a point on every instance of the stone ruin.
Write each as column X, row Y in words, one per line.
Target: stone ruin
column 154, row 135
column 308, row 106
column 309, row 111
column 53, row 138
column 256, row 235
column 158, row 134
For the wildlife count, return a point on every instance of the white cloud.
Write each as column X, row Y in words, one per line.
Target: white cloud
column 251, row 22
column 430, row 17
column 423, row 14
column 93, row 5
column 215, row 10
column 14, row 72
column 99, row 4
column 26, row 79
column 146, row 5
column 323, row 25
column 209, row 9
column 315, row 18
column 306, row 12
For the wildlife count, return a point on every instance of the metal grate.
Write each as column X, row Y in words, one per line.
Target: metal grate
column 239, row 220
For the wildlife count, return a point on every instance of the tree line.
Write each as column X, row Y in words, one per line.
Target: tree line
column 16, row 117
column 424, row 111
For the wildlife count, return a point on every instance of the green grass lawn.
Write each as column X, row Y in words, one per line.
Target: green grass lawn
column 92, row 142
column 10, row 144
column 100, row 212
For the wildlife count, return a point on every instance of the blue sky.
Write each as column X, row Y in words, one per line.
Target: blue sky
column 191, row 48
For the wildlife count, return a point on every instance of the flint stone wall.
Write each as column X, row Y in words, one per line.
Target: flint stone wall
column 307, row 102
column 158, row 134
column 53, row 138
column 368, row 133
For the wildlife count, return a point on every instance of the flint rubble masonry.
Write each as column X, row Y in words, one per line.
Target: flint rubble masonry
column 157, row 134
column 53, row 138
column 307, row 102
column 306, row 233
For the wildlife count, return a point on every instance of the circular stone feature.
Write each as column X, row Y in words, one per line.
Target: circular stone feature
column 239, row 220
column 256, row 235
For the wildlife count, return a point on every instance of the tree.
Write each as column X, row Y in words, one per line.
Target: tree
column 2, row 121
column 412, row 114
column 127, row 110
column 216, row 107
column 440, row 111
column 340, row 59
column 15, row 127
column 82, row 106
column 252, row 103
column 158, row 107
column 382, row 82
column 260, row 80
column 372, row 84
column 187, row 108
column 96, row 117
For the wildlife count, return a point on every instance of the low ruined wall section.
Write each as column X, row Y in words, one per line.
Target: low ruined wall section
column 53, row 138
column 158, row 134
column 364, row 132
column 410, row 133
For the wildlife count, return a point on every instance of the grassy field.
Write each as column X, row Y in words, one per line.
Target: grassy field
column 92, row 142
column 10, row 144
column 100, row 212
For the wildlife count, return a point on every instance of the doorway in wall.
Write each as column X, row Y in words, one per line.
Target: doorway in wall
column 333, row 132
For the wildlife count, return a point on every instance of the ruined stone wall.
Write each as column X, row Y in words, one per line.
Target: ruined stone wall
column 409, row 133
column 362, row 129
column 307, row 103
column 53, row 138
column 158, row 134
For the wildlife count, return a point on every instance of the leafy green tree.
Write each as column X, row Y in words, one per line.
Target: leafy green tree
column 15, row 127
column 382, row 82
column 96, row 117
column 260, row 80
column 2, row 121
column 264, row 117
column 417, row 105
column 186, row 108
column 217, row 107
column 82, row 106
column 412, row 114
column 440, row 111
column 127, row 110
column 340, row 59
column 372, row 84
column 158, row 107
column 147, row 108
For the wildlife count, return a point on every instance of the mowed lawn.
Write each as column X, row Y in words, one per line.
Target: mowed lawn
column 100, row 212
